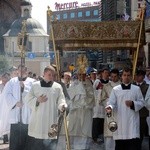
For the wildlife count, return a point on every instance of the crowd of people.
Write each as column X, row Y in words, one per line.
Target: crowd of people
column 31, row 106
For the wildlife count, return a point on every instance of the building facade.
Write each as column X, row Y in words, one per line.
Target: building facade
column 115, row 9
column 147, row 27
column 91, row 13
column 9, row 11
column 106, row 10
column 84, row 12
column 36, row 47
column 122, row 10
column 136, row 5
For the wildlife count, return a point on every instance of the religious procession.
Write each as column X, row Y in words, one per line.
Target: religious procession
column 104, row 109
column 86, row 109
column 82, row 107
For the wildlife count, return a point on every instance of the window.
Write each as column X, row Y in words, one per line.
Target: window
column 52, row 17
column 72, row 15
column 65, row 16
column 26, row 13
column 6, row 42
column 80, row 14
column 95, row 12
column 139, row 5
column 29, row 47
column 87, row 13
column 13, row 47
column 58, row 16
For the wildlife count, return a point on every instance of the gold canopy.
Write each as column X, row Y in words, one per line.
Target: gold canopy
column 105, row 35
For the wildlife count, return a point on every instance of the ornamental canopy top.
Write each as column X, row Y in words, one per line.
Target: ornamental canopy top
column 105, row 35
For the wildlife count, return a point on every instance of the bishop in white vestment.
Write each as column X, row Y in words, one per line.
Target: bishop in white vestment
column 80, row 115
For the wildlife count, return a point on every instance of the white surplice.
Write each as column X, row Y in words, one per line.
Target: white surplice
column 98, row 110
column 147, row 105
column 126, row 118
column 106, row 91
column 4, row 111
column 10, row 96
column 147, row 99
column 46, row 114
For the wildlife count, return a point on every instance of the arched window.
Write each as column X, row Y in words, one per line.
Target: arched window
column 26, row 13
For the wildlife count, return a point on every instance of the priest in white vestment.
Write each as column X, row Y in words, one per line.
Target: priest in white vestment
column 126, row 100
column 44, row 99
column 4, row 111
column 19, row 113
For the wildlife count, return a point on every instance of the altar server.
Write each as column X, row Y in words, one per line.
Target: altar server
column 126, row 100
column 44, row 99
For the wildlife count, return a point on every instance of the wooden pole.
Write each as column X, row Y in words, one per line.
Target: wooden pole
column 49, row 12
column 139, row 40
column 66, row 132
column 58, row 58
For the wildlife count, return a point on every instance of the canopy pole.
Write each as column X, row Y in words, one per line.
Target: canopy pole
column 135, row 57
column 49, row 12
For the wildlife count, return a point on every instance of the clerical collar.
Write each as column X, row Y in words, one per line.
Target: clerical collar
column 139, row 84
column 22, row 79
column 67, row 85
column 126, row 86
column 104, row 81
column 46, row 84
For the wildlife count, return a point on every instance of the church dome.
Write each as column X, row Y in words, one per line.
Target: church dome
column 34, row 28
column 25, row 3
